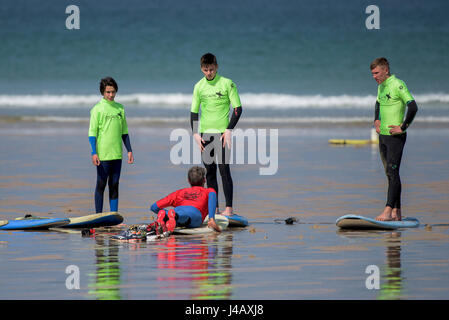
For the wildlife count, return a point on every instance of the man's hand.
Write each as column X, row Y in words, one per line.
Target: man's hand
column 212, row 224
column 395, row 129
column 130, row 157
column 95, row 160
column 377, row 125
column 226, row 138
column 199, row 140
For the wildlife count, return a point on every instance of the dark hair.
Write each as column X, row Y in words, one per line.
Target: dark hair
column 380, row 62
column 108, row 81
column 196, row 176
column 208, row 59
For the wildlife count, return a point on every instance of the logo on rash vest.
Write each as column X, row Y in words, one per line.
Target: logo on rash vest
column 113, row 116
column 219, row 94
column 191, row 195
column 388, row 96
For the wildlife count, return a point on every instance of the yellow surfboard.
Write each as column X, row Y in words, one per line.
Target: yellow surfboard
column 351, row 141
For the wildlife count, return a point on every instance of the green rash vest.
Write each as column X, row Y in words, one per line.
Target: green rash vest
column 393, row 96
column 107, row 125
column 214, row 96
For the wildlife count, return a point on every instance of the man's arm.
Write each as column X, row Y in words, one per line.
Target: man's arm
column 168, row 201
column 127, row 143
column 226, row 136
column 194, row 121
column 93, row 133
column 377, row 111
column 155, row 208
column 405, row 95
column 237, row 112
column 377, row 116
column 93, row 146
column 234, row 98
column 212, row 206
column 412, row 109
column 194, row 125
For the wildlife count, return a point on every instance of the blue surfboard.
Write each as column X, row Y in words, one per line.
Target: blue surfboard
column 352, row 221
column 96, row 220
column 34, row 223
column 236, row 220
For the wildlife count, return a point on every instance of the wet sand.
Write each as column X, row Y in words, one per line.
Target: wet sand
column 46, row 170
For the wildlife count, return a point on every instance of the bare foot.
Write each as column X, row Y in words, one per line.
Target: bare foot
column 386, row 215
column 396, row 214
column 228, row 212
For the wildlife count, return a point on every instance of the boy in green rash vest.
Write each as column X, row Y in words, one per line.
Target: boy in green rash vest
column 215, row 94
column 392, row 99
column 107, row 130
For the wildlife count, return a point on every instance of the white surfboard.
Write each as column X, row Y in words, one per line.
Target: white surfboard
column 221, row 221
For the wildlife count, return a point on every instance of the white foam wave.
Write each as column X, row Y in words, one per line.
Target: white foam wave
column 70, row 101
column 278, row 120
column 182, row 100
column 306, row 120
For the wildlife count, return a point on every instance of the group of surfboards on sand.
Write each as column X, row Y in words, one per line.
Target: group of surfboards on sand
column 214, row 95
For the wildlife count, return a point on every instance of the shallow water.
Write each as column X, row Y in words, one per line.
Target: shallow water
column 312, row 259
column 264, row 261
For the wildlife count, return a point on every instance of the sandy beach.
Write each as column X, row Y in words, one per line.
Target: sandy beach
column 302, row 71
column 48, row 172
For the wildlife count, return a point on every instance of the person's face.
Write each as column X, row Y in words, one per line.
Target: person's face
column 109, row 93
column 209, row 71
column 380, row 73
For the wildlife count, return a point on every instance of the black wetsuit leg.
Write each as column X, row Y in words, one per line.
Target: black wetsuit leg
column 391, row 149
column 214, row 149
column 108, row 173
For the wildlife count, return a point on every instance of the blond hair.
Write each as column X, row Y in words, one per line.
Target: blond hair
column 380, row 62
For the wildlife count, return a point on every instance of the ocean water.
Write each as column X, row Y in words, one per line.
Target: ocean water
column 293, row 61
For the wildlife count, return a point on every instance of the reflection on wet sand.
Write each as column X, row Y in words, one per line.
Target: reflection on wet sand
column 200, row 264
column 266, row 256
column 106, row 280
column 392, row 272
column 186, row 267
column 391, row 279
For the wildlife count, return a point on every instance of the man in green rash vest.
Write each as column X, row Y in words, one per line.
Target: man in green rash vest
column 215, row 94
column 392, row 99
